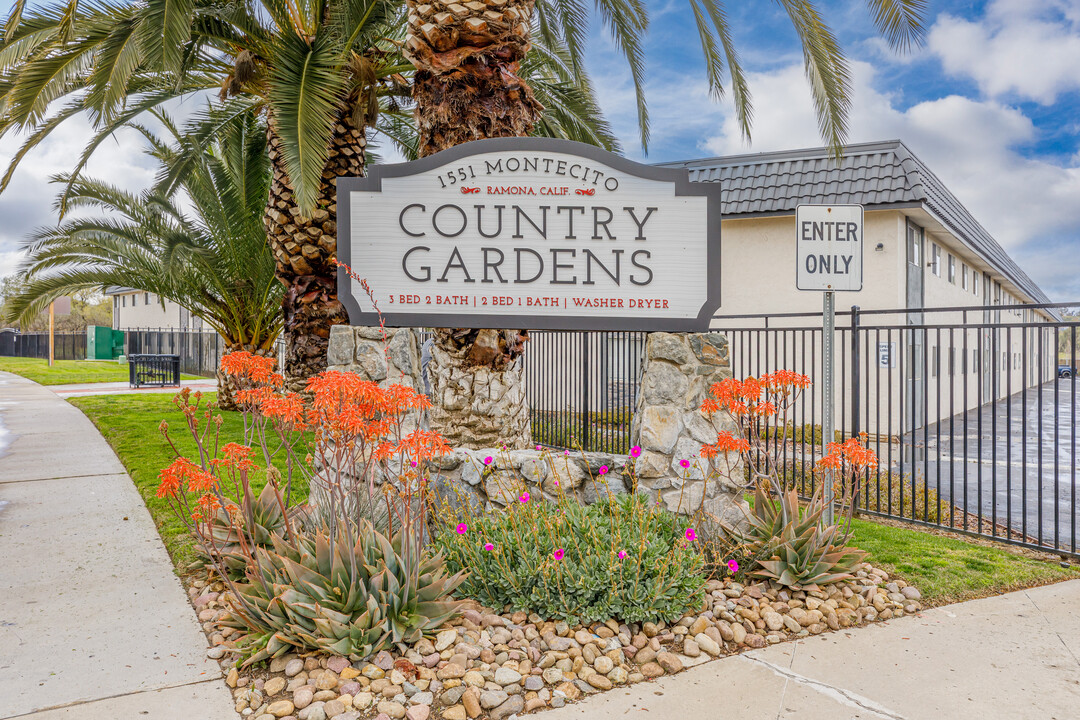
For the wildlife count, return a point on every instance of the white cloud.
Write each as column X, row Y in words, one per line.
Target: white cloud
column 1019, row 48
column 27, row 203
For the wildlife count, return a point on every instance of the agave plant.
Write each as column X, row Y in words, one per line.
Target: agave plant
column 793, row 546
column 265, row 520
column 352, row 593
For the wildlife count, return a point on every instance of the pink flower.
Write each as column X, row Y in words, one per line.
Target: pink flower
column 556, row 483
column 603, row 469
column 558, row 554
column 462, row 528
column 566, row 452
column 684, row 463
column 622, row 554
column 413, row 463
column 487, row 460
column 732, row 566
column 489, row 547
column 524, row 498
column 690, row 534
column 635, row 451
column 538, row 447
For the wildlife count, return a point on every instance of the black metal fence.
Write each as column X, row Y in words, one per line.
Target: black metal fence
column 69, row 345
column 200, row 352
column 971, row 410
column 582, row 388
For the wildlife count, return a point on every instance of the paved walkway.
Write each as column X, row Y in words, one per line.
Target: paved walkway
column 94, row 625
column 122, row 388
column 1012, row 657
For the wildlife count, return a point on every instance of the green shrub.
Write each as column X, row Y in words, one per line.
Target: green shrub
column 661, row 576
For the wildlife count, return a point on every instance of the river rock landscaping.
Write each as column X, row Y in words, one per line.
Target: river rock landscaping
column 490, row 665
column 368, row 599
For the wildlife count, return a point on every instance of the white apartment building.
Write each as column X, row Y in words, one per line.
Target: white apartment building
column 139, row 310
column 922, row 249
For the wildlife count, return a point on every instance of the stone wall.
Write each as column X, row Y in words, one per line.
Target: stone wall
column 677, row 372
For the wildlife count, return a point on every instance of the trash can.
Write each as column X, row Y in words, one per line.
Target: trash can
column 153, row 371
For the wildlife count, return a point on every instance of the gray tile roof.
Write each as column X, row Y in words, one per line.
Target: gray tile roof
column 877, row 175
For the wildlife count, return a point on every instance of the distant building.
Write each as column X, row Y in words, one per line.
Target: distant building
column 140, row 310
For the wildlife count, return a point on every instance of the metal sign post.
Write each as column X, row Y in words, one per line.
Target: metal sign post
column 828, row 314
column 829, row 257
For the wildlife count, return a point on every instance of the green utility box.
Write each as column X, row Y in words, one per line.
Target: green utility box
column 103, row 343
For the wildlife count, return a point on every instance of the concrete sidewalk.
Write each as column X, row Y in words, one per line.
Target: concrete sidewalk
column 1014, row 657
column 93, row 622
column 123, row 388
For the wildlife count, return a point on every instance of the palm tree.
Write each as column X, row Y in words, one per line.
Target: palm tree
column 467, row 86
column 317, row 70
column 212, row 261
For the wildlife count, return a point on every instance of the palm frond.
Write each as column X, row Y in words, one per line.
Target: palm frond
column 306, row 95
column 164, row 29
column 826, row 69
column 900, row 21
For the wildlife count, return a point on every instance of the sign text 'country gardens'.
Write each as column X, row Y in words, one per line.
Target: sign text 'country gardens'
column 532, row 233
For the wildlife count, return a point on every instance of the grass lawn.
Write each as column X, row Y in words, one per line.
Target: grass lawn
column 948, row 569
column 64, row 372
column 944, row 568
column 130, row 424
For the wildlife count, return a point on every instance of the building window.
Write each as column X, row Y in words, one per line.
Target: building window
column 913, row 245
column 935, row 259
column 963, row 276
column 146, row 298
column 975, row 283
column 952, row 268
column 123, row 300
column 997, row 293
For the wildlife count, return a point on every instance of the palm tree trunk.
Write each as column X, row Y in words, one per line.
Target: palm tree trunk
column 305, row 249
column 466, row 88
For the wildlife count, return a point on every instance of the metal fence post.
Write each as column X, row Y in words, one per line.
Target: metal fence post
column 856, row 390
column 855, row 384
column 585, row 420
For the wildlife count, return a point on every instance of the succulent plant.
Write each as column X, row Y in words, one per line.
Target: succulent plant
column 353, row 594
column 793, row 547
column 267, row 519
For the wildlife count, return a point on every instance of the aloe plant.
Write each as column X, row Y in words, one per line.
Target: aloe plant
column 351, row 593
column 792, row 544
column 265, row 519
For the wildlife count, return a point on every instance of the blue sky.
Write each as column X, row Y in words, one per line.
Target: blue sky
column 991, row 103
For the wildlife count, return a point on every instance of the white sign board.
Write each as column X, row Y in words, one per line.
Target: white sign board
column 532, row 233
column 829, row 247
column 886, row 353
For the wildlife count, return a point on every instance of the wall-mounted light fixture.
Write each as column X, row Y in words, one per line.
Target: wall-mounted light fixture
column 880, row 247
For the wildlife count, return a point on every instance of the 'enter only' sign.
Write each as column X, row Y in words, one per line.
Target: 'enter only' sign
column 829, row 242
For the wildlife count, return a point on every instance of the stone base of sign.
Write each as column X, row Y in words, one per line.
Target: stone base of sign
column 677, row 371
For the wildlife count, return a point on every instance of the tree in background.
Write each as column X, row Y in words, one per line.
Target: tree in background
column 88, row 307
column 320, row 72
column 202, row 246
column 468, row 86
